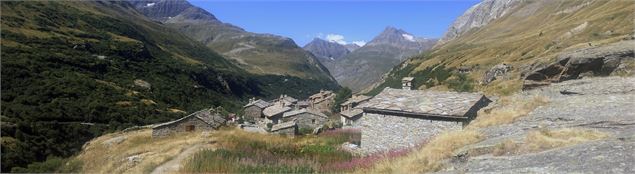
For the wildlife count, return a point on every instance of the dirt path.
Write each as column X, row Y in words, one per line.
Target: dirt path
column 174, row 165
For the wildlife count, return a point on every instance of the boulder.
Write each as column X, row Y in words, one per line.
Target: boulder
column 496, row 71
column 142, row 83
column 594, row 61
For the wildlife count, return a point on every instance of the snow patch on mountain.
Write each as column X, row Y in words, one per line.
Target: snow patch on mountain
column 408, row 37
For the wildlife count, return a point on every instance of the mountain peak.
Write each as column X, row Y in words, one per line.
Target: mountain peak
column 326, row 50
column 392, row 35
column 163, row 10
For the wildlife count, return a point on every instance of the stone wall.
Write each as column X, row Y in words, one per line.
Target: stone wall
column 385, row 132
column 307, row 120
column 293, row 130
column 181, row 126
column 253, row 114
column 324, row 105
column 351, row 122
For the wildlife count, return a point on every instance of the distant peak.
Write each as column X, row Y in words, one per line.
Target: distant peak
column 389, row 30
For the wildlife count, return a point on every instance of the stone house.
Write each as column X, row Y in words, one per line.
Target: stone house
column 349, row 114
column 305, row 118
column 253, row 110
column 403, row 118
column 286, row 100
column 322, row 101
column 285, row 128
column 274, row 112
column 205, row 120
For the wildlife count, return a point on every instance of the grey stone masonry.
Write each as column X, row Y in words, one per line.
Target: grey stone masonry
column 306, row 119
column 403, row 118
column 385, row 132
column 205, row 120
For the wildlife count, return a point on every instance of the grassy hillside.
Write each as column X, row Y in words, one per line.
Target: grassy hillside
column 74, row 70
column 228, row 150
column 534, row 33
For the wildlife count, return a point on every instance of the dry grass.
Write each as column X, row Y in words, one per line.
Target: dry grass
column 97, row 157
column 538, row 141
column 431, row 156
column 510, row 109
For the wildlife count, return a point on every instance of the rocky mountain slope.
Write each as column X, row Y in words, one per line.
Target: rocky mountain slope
column 257, row 53
column 328, row 52
column 594, row 120
column 520, row 36
column 367, row 64
column 477, row 16
column 72, row 71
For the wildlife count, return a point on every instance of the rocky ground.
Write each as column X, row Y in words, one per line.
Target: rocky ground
column 605, row 105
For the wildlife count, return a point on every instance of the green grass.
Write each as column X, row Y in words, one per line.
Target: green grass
column 248, row 153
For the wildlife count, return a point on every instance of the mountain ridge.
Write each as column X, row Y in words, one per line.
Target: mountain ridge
column 252, row 51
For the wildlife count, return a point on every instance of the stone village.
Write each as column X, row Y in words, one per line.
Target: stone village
column 393, row 119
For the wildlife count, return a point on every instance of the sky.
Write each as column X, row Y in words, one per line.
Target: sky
column 351, row 21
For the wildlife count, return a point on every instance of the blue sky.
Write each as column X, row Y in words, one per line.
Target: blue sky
column 344, row 21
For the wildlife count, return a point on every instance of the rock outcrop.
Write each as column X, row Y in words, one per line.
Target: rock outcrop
column 478, row 15
column 604, row 104
column 496, row 71
column 595, row 61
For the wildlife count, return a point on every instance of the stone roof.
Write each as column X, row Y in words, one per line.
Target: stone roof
column 283, row 125
column 351, row 112
column 296, row 112
column 356, row 99
column 432, row 103
column 321, row 94
column 303, row 103
column 407, row 79
column 260, row 103
column 275, row 110
column 289, row 99
column 204, row 115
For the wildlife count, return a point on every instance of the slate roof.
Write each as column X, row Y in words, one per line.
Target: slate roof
column 432, row 103
column 356, row 99
column 303, row 103
column 352, row 112
column 275, row 110
column 407, row 79
column 260, row 103
column 321, row 94
column 204, row 115
column 296, row 112
column 283, row 125
column 289, row 99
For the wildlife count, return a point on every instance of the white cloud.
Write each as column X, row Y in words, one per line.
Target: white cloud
column 408, row 37
column 359, row 43
column 336, row 38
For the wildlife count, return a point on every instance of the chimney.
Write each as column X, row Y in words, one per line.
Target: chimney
column 406, row 83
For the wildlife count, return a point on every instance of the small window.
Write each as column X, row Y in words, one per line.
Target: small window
column 189, row 128
column 313, row 121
